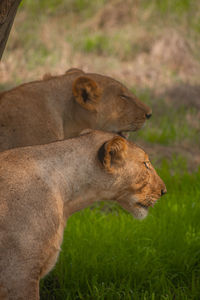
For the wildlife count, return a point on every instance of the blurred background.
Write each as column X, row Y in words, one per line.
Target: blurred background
column 152, row 46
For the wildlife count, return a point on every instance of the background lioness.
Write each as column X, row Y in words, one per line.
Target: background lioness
column 40, row 186
column 60, row 107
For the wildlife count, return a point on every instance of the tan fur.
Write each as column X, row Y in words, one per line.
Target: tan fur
column 41, row 186
column 59, row 107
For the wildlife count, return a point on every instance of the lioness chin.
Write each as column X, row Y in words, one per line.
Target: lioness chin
column 60, row 107
column 41, row 186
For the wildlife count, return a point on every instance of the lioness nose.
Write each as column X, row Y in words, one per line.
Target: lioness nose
column 164, row 191
column 148, row 116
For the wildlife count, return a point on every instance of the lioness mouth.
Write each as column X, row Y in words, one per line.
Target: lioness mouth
column 142, row 205
column 123, row 134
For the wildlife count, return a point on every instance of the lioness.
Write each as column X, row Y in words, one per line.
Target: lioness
column 60, row 107
column 41, row 186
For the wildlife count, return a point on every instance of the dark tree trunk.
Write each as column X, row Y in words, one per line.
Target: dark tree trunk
column 8, row 9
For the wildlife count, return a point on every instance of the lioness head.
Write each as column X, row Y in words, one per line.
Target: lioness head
column 105, row 104
column 136, row 185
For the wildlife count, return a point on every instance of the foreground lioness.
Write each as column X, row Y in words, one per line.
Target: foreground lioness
column 60, row 107
column 41, row 186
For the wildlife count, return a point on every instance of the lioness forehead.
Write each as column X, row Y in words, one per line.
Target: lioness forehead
column 134, row 150
column 103, row 79
column 138, row 152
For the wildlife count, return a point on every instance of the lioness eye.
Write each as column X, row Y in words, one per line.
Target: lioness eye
column 147, row 164
column 124, row 97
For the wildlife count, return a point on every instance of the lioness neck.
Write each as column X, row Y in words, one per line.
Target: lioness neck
column 74, row 167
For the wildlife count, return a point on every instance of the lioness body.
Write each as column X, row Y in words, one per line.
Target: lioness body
column 40, row 186
column 60, row 107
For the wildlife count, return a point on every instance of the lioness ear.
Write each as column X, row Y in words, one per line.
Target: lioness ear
column 111, row 154
column 86, row 92
column 47, row 76
column 73, row 70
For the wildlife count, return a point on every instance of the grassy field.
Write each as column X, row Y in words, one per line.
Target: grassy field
column 152, row 47
column 106, row 254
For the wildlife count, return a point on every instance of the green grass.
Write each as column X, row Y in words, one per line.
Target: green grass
column 110, row 255
column 171, row 128
column 169, row 124
column 84, row 8
column 171, row 6
column 119, row 44
column 185, row 12
column 4, row 87
column 124, row 43
column 97, row 42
